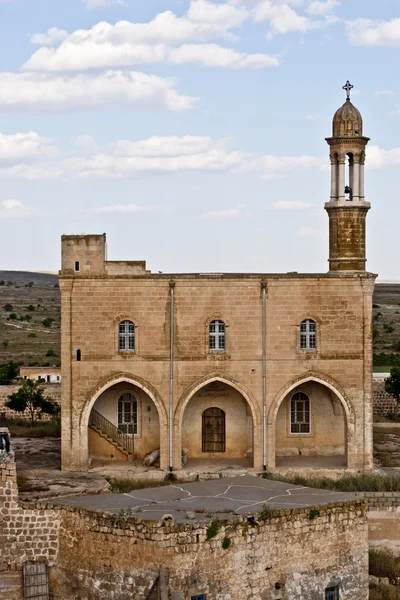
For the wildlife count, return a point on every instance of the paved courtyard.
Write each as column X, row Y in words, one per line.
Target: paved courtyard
column 201, row 500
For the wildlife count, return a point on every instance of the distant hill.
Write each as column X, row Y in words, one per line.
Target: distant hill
column 29, row 318
column 36, row 297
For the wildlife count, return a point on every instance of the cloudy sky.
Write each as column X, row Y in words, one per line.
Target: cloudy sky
column 192, row 131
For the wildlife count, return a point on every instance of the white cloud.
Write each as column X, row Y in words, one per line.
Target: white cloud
column 75, row 57
column 380, row 93
column 212, row 55
column 291, row 205
column 22, row 146
column 52, row 36
column 159, row 155
column 231, row 213
column 14, row 209
column 96, row 4
column 318, row 9
column 178, row 40
column 378, row 158
column 282, row 18
column 89, row 92
column 365, row 32
column 121, row 209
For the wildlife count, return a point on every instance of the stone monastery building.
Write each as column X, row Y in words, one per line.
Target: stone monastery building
column 270, row 370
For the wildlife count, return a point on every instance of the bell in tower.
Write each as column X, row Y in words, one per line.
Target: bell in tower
column 347, row 208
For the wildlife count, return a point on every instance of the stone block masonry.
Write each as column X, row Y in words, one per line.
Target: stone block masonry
column 26, row 534
column 52, row 391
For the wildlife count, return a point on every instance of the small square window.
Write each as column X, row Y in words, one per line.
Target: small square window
column 77, row 266
column 332, row 593
column 199, row 597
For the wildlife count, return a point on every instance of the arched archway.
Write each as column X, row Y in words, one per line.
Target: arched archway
column 104, row 429
column 230, row 440
column 311, row 423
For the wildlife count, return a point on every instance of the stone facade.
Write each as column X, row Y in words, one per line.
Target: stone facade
column 337, row 375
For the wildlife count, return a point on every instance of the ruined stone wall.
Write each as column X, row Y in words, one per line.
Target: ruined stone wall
column 120, row 558
column 384, row 404
column 52, row 391
column 25, row 534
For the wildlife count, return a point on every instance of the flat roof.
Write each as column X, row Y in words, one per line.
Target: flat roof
column 221, row 498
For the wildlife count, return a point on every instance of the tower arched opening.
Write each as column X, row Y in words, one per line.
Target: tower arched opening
column 311, row 428
column 217, row 427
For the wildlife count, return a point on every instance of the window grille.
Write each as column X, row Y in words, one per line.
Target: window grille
column 300, row 413
column 308, row 335
column 127, row 413
column 332, row 593
column 126, row 336
column 216, row 335
column 36, row 581
column 213, row 430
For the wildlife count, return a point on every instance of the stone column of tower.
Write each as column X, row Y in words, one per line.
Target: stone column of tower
column 347, row 208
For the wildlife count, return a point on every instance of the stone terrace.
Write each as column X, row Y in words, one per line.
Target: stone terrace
column 222, row 498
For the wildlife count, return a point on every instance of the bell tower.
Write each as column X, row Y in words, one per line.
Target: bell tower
column 347, row 208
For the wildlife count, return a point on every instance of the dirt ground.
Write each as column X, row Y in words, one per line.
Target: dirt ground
column 387, row 448
column 39, row 471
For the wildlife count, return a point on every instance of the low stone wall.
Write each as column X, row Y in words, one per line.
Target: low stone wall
column 52, row 391
column 384, row 520
column 94, row 555
column 384, row 404
column 26, row 534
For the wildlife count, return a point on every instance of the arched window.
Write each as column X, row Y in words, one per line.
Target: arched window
column 308, row 335
column 78, row 355
column 126, row 336
column 127, row 413
column 213, row 430
column 216, row 335
column 300, row 421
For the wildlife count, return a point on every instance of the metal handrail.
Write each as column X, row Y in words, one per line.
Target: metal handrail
column 119, row 437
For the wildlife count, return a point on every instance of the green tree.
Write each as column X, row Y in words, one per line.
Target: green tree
column 30, row 397
column 392, row 386
column 8, row 372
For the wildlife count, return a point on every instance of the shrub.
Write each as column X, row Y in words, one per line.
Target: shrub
column 266, row 512
column 365, row 482
column 32, row 335
column 8, row 307
column 388, row 328
column 376, row 306
column 383, row 563
column 47, row 322
column 50, row 352
column 226, row 543
column 13, row 316
column 383, row 592
column 30, row 307
column 314, row 512
column 213, row 529
column 396, row 346
column 122, row 485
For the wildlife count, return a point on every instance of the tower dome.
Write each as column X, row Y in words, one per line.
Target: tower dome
column 347, row 121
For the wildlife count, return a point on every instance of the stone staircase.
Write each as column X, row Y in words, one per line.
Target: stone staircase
column 123, row 441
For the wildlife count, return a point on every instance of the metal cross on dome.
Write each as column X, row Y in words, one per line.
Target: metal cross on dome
column 347, row 87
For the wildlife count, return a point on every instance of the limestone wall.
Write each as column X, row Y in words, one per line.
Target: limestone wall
column 52, row 391
column 384, row 404
column 25, row 534
column 121, row 557
column 384, row 520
